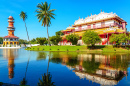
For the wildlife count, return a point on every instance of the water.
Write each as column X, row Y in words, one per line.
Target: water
column 66, row 68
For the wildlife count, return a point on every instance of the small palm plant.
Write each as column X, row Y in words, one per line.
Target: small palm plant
column 44, row 14
column 23, row 16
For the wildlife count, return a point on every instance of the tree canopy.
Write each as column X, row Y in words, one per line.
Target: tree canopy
column 23, row 15
column 55, row 39
column 44, row 13
column 59, row 33
column 119, row 38
column 22, row 41
column 91, row 37
column 73, row 38
column 41, row 40
column 34, row 41
column 1, row 40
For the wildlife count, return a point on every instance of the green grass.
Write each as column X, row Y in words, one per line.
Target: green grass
column 101, row 49
column 57, row 48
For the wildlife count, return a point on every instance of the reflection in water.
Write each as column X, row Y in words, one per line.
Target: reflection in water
column 41, row 56
column 46, row 80
column 10, row 54
column 102, row 69
column 47, row 77
column 24, row 81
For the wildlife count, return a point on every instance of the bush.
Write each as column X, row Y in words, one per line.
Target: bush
column 114, row 49
column 127, row 48
column 41, row 40
column 73, row 38
column 101, row 48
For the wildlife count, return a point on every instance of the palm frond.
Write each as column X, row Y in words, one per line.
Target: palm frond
column 23, row 15
column 45, row 14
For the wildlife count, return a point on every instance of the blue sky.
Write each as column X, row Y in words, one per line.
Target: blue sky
column 67, row 12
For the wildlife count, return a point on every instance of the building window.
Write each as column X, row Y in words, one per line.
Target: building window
column 102, row 24
column 106, row 36
column 12, row 32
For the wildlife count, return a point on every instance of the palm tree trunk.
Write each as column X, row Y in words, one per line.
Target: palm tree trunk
column 48, row 35
column 48, row 67
column 27, row 33
column 48, row 64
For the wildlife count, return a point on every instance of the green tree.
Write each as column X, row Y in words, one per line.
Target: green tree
column 123, row 38
column 91, row 37
column 119, row 39
column 73, row 38
column 55, row 39
column 46, row 42
column 23, row 16
column 21, row 41
column 45, row 15
column 34, row 41
column 59, row 33
column 128, row 38
column 1, row 40
column 115, row 38
column 41, row 40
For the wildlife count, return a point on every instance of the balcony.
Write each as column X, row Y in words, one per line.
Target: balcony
column 99, row 26
column 11, row 29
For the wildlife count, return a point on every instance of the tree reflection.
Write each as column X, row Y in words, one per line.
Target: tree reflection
column 47, row 77
column 46, row 80
column 41, row 56
column 119, row 62
column 72, row 62
column 24, row 81
column 91, row 66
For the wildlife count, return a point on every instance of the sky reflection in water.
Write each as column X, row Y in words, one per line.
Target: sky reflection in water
column 66, row 68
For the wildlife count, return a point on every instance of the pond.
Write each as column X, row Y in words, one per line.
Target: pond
column 18, row 66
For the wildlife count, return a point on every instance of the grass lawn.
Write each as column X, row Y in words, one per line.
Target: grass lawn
column 101, row 49
column 57, row 48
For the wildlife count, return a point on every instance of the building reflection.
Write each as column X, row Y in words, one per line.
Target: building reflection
column 102, row 69
column 10, row 54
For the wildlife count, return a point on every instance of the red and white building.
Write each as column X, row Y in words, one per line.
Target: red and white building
column 105, row 24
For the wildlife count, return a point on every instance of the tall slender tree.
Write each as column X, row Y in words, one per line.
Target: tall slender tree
column 45, row 15
column 23, row 16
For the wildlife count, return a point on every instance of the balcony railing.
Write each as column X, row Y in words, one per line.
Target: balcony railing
column 98, row 26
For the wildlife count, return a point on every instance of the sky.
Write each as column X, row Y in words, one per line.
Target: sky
column 67, row 11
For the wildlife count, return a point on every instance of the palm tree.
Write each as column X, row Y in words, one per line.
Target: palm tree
column 45, row 15
column 47, row 77
column 23, row 16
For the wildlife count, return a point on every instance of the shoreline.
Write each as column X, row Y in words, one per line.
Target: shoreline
column 10, row 47
column 77, row 49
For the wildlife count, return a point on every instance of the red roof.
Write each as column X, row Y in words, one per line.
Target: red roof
column 10, row 37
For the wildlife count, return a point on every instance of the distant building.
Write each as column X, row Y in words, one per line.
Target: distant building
column 11, row 39
column 105, row 24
